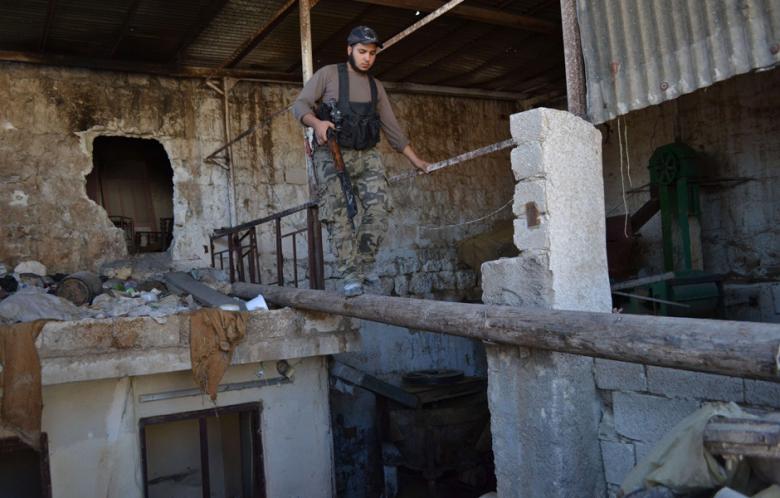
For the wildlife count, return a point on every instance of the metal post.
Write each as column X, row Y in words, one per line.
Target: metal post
column 572, row 52
column 226, row 86
column 279, row 255
column 204, row 458
column 311, row 249
column 307, row 65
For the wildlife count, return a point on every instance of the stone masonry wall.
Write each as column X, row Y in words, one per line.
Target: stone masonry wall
column 733, row 124
column 51, row 115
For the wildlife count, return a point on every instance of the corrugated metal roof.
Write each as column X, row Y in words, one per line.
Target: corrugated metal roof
column 203, row 34
column 642, row 52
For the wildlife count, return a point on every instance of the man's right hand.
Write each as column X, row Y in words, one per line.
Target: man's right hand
column 321, row 131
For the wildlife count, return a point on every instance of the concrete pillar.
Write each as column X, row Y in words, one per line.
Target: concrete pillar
column 544, row 408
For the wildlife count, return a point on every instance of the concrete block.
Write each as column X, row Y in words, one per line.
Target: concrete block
column 527, row 160
column 684, row 384
column 762, row 393
column 533, row 190
column 620, row 375
column 544, row 414
column 618, row 460
column 521, row 281
column 421, row 283
column 647, row 418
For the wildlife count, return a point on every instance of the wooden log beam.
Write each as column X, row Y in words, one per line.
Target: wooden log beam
column 474, row 13
column 743, row 349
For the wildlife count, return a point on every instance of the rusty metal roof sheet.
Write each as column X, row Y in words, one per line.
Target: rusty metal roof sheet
column 642, row 52
column 203, row 34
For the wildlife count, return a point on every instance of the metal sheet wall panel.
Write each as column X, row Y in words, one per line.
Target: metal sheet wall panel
column 643, row 52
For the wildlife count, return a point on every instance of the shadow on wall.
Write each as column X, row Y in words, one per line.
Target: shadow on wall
column 132, row 179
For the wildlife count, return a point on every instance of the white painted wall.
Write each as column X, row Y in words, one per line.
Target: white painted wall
column 93, row 429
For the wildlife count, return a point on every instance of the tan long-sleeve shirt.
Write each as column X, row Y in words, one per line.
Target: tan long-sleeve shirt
column 324, row 85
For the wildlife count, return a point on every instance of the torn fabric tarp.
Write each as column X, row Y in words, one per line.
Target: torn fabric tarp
column 214, row 334
column 20, row 412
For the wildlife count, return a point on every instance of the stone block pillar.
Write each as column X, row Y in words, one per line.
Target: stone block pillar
column 544, row 408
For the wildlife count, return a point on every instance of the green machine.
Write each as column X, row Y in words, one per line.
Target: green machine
column 684, row 289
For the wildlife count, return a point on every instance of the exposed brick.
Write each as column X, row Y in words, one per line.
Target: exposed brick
column 618, row 460
column 685, row 384
column 647, row 418
column 620, row 375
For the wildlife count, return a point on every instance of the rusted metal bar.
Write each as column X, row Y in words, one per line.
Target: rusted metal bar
column 295, row 260
column 572, row 53
column 476, row 13
column 489, row 149
column 743, row 349
column 310, row 250
column 230, row 259
column 422, row 22
column 232, row 202
column 211, row 250
column 265, row 219
column 238, row 259
column 204, row 457
column 211, row 157
column 318, row 249
column 279, row 253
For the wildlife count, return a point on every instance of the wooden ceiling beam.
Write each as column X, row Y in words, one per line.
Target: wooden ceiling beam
column 480, row 14
column 205, row 17
column 339, row 34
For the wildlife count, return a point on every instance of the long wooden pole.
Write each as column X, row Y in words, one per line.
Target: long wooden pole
column 743, row 349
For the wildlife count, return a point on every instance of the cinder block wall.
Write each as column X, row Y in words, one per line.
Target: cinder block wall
column 642, row 403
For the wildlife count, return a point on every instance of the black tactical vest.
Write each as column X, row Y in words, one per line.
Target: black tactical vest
column 360, row 123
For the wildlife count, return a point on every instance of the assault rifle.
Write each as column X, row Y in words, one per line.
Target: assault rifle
column 335, row 150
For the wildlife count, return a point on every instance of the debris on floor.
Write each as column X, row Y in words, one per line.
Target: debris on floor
column 720, row 450
column 140, row 286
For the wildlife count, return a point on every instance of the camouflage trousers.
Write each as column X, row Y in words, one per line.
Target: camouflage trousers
column 355, row 249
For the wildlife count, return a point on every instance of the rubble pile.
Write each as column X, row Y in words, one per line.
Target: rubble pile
column 125, row 288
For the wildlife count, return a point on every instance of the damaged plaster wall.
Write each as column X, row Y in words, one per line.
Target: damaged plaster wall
column 53, row 115
column 733, row 125
column 93, row 429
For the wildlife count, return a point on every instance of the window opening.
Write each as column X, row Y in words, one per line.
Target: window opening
column 210, row 453
column 132, row 180
column 24, row 472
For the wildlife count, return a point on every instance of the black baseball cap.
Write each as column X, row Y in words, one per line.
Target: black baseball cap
column 363, row 34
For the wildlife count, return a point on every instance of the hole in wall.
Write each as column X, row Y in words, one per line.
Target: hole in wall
column 132, row 179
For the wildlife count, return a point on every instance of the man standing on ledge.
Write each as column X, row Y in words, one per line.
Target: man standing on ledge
column 364, row 107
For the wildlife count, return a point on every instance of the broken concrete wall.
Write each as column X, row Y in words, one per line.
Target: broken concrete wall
column 52, row 115
column 733, row 125
column 92, row 428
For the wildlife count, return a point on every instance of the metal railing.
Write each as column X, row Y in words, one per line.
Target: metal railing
column 243, row 255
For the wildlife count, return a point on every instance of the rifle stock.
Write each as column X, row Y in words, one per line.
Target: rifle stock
column 341, row 171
